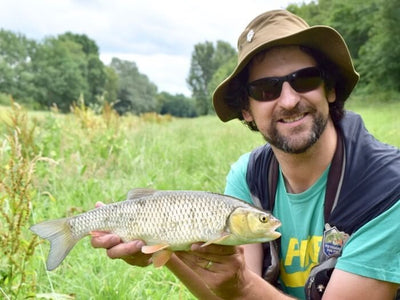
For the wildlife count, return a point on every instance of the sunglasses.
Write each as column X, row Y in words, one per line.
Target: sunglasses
column 269, row 88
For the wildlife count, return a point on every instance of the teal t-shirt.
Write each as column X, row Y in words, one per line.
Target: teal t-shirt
column 302, row 227
column 372, row 251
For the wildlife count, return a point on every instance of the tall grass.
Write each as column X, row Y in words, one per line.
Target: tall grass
column 102, row 157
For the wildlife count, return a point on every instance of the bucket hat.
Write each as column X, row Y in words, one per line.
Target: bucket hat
column 278, row 28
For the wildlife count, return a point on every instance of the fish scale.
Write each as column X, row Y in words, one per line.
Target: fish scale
column 165, row 221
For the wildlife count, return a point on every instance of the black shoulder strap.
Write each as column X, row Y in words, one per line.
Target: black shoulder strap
column 273, row 173
column 335, row 177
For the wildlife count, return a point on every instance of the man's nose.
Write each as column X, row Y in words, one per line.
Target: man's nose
column 289, row 97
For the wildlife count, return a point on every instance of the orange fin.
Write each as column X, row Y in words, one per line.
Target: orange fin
column 154, row 248
column 217, row 240
column 160, row 258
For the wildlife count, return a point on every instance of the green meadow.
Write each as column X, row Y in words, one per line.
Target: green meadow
column 55, row 165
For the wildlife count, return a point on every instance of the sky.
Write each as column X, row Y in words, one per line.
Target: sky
column 158, row 35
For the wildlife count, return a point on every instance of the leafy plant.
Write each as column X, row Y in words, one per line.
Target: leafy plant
column 17, row 167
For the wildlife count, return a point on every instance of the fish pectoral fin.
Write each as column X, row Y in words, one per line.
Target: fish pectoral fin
column 160, row 258
column 150, row 249
column 161, row 253
column 218, row 240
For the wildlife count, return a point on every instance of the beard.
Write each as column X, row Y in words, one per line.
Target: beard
column 299, row 140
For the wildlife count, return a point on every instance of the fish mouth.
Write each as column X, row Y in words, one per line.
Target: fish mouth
column 275, row 234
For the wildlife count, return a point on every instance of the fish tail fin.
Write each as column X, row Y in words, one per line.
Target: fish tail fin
column 59, row 234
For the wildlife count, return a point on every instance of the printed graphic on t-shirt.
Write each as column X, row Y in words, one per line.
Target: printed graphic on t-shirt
column 301, row 256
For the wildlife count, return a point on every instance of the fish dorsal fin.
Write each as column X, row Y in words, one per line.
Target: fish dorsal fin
column 139, row 193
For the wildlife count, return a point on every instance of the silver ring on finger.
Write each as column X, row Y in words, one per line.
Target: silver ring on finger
column 208, row 265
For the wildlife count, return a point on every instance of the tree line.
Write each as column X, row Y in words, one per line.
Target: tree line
column 62, row 69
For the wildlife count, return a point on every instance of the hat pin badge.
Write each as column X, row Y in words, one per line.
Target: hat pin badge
column 250, row 35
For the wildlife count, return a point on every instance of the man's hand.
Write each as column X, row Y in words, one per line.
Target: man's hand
column 116, row 248
column 222, row 268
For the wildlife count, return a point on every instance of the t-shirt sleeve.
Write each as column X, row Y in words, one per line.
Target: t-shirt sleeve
column 374, row 249
column 236, row 184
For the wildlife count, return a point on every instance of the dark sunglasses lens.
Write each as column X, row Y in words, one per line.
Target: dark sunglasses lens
column 265, row 89
column 306, row 80
column 269, row 88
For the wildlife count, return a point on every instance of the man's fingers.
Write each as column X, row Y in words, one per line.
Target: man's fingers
column 213, row 249
column 125, row 249
column 99, row 204
column 104, row 240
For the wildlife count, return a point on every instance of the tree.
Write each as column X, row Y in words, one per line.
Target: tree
column 95, row 70
column 111, row 85
column 370, row 29
column 136, row 93
column 205, row 61
column 176, row 105
column 201, row 70
column 353, row 19
column 16, row 74
column 222, row 73
column 380, row 63
column 59, row 67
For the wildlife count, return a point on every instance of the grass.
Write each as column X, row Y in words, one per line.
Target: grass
column 100, row 158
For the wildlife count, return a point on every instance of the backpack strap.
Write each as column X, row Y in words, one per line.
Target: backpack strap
column 335, row 177
column 273, row 175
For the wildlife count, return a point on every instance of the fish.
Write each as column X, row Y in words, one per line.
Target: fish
column 166, row 220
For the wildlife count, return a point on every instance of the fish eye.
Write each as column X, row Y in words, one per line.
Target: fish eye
column 263, row 219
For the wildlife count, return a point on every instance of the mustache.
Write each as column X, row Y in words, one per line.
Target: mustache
column 299, row 109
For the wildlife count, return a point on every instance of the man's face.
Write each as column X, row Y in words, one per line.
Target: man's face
column 294, row 121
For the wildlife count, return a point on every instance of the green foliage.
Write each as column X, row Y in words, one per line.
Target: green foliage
column 380, row 63
column 370, row 29
column 111, row 85
column 88, row 46
column 18, row 160
column 94, row 73
column 222, row 73
column 136, row 93
column 178, row 105
column 206, row 60
column 60, row 73
column 16, row 74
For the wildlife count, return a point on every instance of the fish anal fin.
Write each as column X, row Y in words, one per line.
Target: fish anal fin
column 218, row 240
column 139, row 193
column 161, row 257
column 150, row 249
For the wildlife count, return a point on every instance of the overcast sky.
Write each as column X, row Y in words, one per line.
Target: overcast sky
column 158, row 35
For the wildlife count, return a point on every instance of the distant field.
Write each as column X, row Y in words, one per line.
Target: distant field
column 100, row 158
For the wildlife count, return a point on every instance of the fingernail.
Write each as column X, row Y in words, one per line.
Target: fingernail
column 139, row 243
column 96, row 233
column 195, row 247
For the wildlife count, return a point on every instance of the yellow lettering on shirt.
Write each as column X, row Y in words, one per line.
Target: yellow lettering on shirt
column 304, row 255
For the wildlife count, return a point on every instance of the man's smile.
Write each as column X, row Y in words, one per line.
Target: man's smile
column 293, row 119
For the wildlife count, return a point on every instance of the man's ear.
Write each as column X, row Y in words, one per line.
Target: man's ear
column 247, row 116
column 331, row 95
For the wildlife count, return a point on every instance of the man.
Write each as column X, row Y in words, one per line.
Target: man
column 331, row 179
